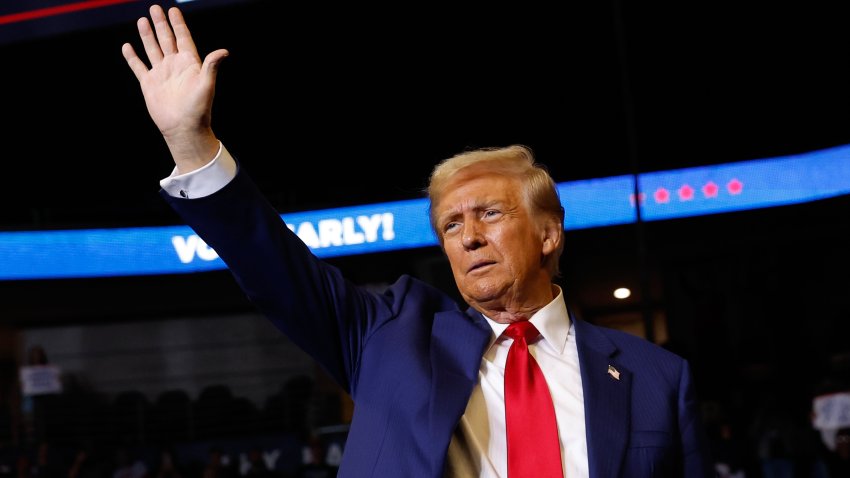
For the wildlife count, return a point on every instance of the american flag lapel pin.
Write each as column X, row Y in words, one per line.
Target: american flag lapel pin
column 613, row 372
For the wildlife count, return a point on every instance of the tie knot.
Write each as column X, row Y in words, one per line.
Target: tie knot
column 522, row 329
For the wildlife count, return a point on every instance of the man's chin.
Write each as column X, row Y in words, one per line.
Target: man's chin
column 484, row 295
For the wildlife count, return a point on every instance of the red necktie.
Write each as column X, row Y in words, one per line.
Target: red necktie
column 534, row 450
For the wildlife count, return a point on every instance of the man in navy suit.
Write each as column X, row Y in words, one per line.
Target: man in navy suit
column 427, row 377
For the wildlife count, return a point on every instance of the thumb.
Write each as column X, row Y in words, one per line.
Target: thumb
column 212, row 62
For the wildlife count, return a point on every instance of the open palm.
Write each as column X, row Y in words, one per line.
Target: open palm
column 178, row 88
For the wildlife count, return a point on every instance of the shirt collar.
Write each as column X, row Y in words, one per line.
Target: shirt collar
column 552, row 321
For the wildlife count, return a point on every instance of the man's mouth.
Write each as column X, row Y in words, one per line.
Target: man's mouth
column 479, row 265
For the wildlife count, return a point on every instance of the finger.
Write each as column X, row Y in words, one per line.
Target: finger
column 136, row 64
column 163, row 31
column 211, row 64
column 149, row 41
column 181, row 31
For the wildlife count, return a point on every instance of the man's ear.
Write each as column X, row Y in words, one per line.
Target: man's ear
column 553, row 234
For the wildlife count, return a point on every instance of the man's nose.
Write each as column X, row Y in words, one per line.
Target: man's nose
column 472, row 237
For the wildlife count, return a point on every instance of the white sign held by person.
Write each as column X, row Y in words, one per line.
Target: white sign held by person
column 831, row 411
column 40, row 379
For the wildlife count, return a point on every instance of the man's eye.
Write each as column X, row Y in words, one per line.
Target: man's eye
column 490, row 213
column 450, row 226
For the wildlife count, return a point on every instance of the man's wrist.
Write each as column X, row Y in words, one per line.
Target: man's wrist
column 192, row 151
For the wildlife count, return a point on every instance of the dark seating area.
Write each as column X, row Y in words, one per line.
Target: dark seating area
column 90, row 434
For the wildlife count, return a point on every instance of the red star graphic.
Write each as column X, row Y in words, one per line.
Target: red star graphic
column 642, row 197
column 686, row 192
column 662, row 195
column 734, row 186
column 710, row 189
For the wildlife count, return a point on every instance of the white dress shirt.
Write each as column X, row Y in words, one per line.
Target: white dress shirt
column 204, row 181
column 478, row 447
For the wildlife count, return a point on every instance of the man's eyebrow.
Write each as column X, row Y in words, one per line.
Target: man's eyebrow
column 447, row 216
column 476, row 207
column 490, row 203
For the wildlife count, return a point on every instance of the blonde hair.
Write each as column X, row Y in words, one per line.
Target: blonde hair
column 515, row 161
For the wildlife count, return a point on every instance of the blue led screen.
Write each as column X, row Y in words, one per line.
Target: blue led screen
column 404, row 224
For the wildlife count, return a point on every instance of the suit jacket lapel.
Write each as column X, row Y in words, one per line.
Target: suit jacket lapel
column 607, row 401
column 457, row 345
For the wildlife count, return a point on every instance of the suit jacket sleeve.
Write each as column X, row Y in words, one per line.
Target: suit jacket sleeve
column 306, row 298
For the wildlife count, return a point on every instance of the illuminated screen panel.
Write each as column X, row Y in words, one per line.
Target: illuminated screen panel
column 709, row 189
column 28, row 19
column 404, row 224
column 746, row 185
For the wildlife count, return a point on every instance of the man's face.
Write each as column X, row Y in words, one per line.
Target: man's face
column 494, row 245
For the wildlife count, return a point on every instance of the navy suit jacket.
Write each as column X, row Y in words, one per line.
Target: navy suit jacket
column 410, row 356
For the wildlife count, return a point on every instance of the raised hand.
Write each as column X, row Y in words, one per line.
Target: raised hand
column 178, row 88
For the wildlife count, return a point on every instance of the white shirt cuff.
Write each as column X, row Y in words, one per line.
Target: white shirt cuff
column 203, row 181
